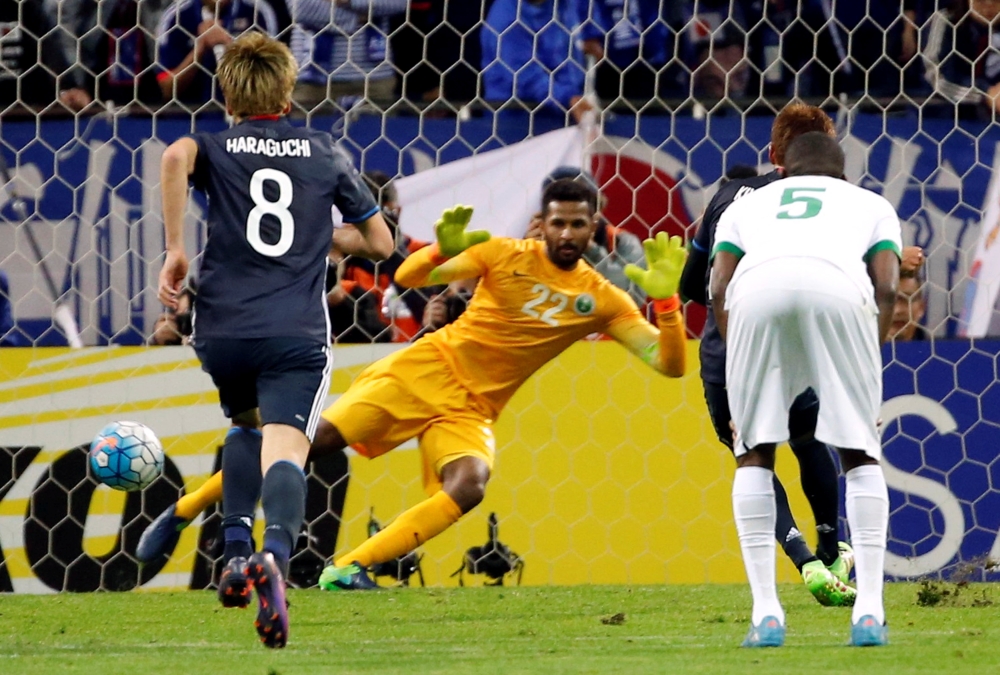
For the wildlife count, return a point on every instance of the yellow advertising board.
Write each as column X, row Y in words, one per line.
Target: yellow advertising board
column 606, row 472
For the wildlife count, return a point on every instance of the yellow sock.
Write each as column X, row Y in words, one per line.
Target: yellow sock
column 193, row 503
column 409, row 530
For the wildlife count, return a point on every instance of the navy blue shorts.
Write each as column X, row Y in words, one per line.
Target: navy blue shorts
column 286, row 378
column 801, row 418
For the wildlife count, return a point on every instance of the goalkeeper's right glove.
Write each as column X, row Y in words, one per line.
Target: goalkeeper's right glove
column 452, row 238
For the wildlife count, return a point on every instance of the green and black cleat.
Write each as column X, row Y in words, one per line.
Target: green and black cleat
column 353, row 577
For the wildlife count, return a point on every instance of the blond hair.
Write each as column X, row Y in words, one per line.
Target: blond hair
column 794, row 120
column 257, row 74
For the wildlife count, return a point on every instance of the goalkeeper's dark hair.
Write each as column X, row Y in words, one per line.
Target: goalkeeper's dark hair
column 814, row 154
column 569, row 190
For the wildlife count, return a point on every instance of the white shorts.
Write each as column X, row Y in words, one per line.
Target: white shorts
column 796, row 324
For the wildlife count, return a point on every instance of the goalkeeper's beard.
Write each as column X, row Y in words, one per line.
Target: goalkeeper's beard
column 565, row 254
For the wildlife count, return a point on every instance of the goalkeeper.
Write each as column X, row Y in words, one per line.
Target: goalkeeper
column 534, row 299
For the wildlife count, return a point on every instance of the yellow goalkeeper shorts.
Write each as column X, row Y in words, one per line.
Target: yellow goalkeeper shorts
column 413, row 394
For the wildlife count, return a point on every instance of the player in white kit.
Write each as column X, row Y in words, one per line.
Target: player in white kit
column 804, row 278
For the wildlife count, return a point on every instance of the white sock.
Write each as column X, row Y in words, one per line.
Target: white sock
column 755, row 512
column 868, row 515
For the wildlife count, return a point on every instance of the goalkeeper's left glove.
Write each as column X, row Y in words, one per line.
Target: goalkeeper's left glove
column 665, row 258
column 452, row 238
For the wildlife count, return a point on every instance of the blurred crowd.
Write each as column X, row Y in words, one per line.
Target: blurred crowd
column 63, row 56
column 506, row 53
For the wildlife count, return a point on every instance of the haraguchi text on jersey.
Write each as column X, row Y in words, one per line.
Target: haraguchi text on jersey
column 292, row 147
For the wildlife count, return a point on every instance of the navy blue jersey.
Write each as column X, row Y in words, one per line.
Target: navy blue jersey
column 271, row 187
column 713, row 347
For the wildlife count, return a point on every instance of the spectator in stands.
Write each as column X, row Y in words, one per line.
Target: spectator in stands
column 612, row 248
column 911, row 22
column 355, row 311
column 959, row 53
column 401, row 310
column 33, row 68
column 915, row 12
column 870, row 47
column 192, row 36
column 115, row 42
column 720, row 68
column 174, row 326
column 9, row 335
column 910, row 308
column 530, row 55
column 444, row 307
column 347, row 56
column 630, row 42
column 116, row 45
column 809, row 47
column 436, row 46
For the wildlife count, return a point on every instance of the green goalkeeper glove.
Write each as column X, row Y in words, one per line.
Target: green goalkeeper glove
column 665, row 258
column 452, row 238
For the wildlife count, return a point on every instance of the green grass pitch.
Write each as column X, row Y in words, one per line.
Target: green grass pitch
column 582, row 629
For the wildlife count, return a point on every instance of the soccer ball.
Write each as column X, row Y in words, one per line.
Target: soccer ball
column 126, row 456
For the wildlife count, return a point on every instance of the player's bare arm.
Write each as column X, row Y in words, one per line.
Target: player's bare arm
column 176, row 165
column 722, row 273
column 369, row 239
column 883, row 268
column 443, row 262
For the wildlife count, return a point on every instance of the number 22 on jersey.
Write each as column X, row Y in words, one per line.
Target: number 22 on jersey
column 265, row 207
column 542, row 295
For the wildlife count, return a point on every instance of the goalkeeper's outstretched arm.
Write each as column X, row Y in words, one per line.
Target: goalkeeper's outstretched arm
column 427, row 267
column 665, row 349
column 445, row 261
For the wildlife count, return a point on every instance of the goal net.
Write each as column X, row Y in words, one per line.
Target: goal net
column 606, row 472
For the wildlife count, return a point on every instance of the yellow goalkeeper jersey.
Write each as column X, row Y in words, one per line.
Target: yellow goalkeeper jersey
column 526, row 311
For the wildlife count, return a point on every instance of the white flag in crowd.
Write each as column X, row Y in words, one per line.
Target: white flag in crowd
column 980, row 316
column 504, row 185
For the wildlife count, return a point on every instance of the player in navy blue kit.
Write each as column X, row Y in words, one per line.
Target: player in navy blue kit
column 826, row 572
column 260, row 323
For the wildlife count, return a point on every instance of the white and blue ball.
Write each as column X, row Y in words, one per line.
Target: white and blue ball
column 126, row 456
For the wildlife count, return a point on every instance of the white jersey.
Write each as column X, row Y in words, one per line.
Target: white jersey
column 810, row 217
column 802, row 310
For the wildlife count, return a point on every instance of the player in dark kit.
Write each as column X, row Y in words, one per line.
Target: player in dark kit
column 260, row 323
column 826, row 572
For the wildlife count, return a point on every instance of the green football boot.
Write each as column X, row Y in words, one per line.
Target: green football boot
column 353, row 577
column 844, row 563
column 826, row 587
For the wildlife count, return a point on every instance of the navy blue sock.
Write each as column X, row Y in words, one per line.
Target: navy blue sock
column 785, row 531
column 241, row 482
column 818, row 474
column 283, row 496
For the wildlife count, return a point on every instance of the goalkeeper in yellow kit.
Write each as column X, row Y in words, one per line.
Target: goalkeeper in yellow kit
column 535, row 298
